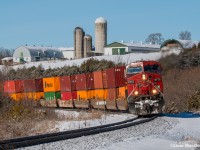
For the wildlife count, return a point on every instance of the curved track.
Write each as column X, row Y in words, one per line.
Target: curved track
column 53, row 137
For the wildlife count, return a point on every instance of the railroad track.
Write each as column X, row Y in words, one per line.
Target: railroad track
column 53, row 137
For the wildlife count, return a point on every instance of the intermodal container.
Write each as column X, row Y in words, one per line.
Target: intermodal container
column 112, row 94
column 17, row 96
column 82, row 95
column 89, row 81
column 119, row 76
column 19, row 86
column 33, row 85
column 101, row 94
column 9, row 86
column 52, row 95
column 115, row 77
column 91, row 94
column 67, row 83
column 34, row 95
column 69, row 95
column 51, row 84
column 98, row 80
column 105, row 79
column 122, row 92
column 81, row 83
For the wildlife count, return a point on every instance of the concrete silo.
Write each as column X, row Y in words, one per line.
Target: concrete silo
column 87, row 45
column 100, row 34
column 78, row 42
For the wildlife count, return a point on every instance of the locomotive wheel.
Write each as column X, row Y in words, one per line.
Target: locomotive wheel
column 132, row 109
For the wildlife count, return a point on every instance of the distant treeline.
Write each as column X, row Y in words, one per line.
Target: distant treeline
column 89, row 65
column 4, row 52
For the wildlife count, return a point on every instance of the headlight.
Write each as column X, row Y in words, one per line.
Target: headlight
column 136, row 93
column 144, row 77
column 154, row 91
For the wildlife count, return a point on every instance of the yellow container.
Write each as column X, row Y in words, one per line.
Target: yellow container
column 82, row 95
column 34, row 95
column 101, row 94
column 51, row 84
column 17, row 96
column 122, row 92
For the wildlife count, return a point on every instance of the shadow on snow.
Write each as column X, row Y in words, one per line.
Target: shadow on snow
column 183, row 115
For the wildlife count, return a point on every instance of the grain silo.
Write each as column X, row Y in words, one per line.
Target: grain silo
column 78, row 42
column 100, row 34
column 87, row 45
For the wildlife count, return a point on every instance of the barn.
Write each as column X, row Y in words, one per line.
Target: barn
column 121, row 48
column 36, row 53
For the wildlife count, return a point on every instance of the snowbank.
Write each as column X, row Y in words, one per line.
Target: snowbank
column 116, row 58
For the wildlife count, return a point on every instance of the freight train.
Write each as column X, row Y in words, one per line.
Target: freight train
column 136, row 88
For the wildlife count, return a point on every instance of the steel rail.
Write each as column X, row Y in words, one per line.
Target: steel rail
column 53, row 137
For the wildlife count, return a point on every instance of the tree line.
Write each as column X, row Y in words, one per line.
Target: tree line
column 156, row 38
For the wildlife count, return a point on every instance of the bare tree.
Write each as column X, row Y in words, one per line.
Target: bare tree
column 5, row 52
column 155, row 38
column 185, row 35
column 198, row 45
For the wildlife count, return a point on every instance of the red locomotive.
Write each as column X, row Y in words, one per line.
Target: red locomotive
column 145, row 87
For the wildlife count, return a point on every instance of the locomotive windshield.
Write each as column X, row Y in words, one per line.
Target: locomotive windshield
column 134, row 70
column 152, row 68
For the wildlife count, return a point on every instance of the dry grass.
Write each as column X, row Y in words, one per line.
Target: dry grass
column 20, row 119
column 179, row 87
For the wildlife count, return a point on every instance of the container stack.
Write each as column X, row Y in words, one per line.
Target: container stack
column 33, row 89
column 14, row 89
column 85, row 89
column 99, row 89
column 51, row 91
column 100, row 93
column 114, row 81
column 68, row 91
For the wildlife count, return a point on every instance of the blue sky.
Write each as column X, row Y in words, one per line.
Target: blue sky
column 52, row 22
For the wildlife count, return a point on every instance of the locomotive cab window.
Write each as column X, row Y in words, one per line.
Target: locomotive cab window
column 134, row 70
column 152, row 68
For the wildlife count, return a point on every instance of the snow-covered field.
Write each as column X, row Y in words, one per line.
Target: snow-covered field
column 166, row 132
column 79, row 122
column 116, row 58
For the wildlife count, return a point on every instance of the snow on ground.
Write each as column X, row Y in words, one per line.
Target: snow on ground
column 116, row 58
column 106, row 118
column 164, row 133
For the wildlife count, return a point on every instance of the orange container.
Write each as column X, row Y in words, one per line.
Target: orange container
column 82, row 95
column 101, row 94
column 91, row 94
column 122, row 92
column 98, row 80
column 17, row 96
column 51, row 84
column 34, row 95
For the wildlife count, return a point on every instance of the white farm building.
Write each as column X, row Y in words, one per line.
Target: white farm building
column 121, row 48
column 39, row 53
column 68, row 52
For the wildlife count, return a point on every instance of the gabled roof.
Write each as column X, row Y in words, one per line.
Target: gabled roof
column 136, row 45
column 116, row 44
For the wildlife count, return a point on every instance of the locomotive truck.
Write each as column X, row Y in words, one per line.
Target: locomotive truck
column 136, row 88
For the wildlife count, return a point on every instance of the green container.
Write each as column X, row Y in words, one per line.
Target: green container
column 52, row 95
